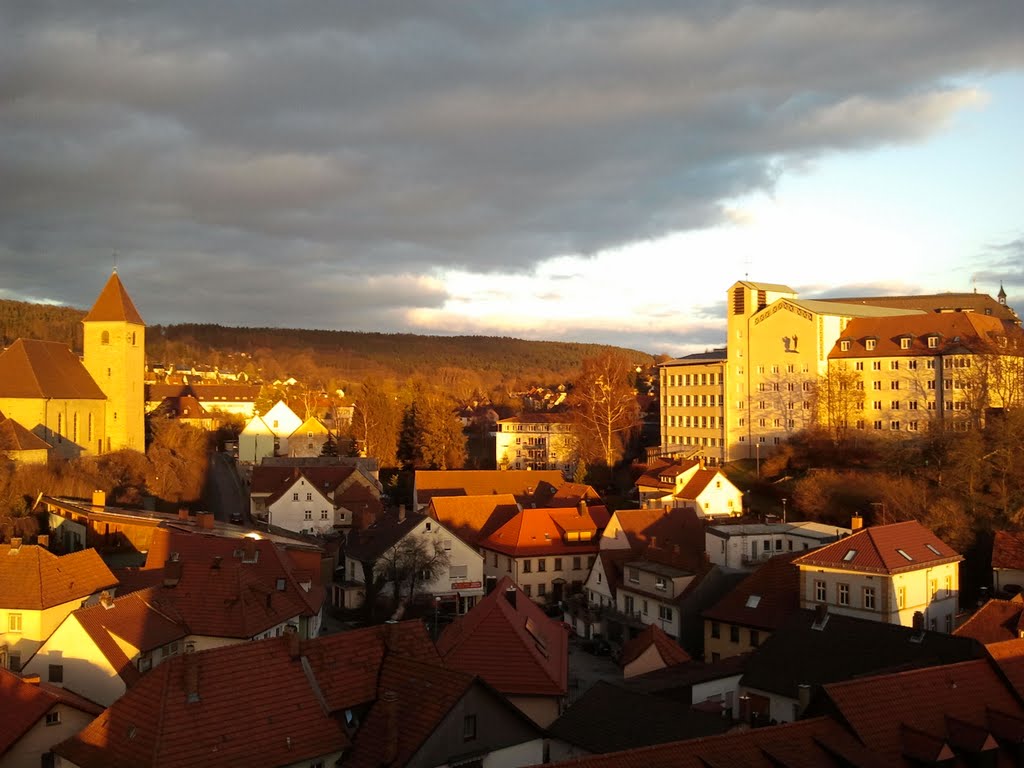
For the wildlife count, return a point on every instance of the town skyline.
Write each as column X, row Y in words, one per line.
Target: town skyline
column 528, row 174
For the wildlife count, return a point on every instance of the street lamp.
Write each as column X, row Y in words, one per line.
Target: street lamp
column 437, row 605
column 784, row 509
column 757, row 450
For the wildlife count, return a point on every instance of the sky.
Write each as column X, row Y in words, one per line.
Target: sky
column 578, row 171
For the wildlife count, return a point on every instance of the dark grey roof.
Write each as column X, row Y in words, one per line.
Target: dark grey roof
column 368, row 545
column 845, row 647
column 608, row 718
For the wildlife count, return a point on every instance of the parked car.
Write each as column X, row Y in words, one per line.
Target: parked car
column 236, row 517
column 597, row 645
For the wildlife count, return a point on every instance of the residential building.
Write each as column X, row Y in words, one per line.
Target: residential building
column 377, row 551
column 653, row 590
column 314, row 499
column 689, row 483
column 509, row 643
column 35, row 717
column 357, row 695
column 547, row 552
column 186, row 410
column 536, row 441
column 650, row 650
column 39, row 591
column 692, row 394
column 814, row 648
column 1008, row 561
column 888, row 573
column 101, row 650
column 268, row 434
column 747, row 615
column 746, row 545
column 84, row 406
column 231, row 399
column 997, row 621
column 522, row 483
column 308, row 438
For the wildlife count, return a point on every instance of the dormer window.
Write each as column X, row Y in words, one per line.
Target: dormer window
column 904, row 342
column 844, row 345
column 869, row 344
column 933, row 342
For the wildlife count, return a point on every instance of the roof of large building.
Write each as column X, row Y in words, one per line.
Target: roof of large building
column 23, row 704
column 508, row 641
column 114, row 304
column 225, row 587
column 609, row 718
column 473, row 518
column 669, row 650
column 807, row 649
column 719, row 355
column 41, row 369
column 34, row 579
column 957, row 333
column 14, row 438
column 890, row 549
column 208, row 394
column 995, row 621
column 763, row 600
column 820, row 307
column 273, row 702
column 521, row 483
column 536, row 418
column 980, row 303
column 1008, row 550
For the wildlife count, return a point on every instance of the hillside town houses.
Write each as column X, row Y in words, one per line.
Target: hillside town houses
column 512, row 616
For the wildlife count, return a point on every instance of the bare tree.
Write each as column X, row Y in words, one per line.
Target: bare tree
column 409, row 564
column 606, row 413
column 839, row 401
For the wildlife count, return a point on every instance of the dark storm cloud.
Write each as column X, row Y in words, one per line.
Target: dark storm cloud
column 257, row 163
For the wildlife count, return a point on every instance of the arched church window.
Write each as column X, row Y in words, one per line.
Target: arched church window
column 105, row 337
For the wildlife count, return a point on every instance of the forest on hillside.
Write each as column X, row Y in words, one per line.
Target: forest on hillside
column 335, row 359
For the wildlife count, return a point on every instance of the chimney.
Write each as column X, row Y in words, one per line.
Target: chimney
column 389, row 751
column 700, row 462
column 15, row 543
column 654, row 542
column 856, row 523
column 510, row 595
column 172, row 572
column 183, row 513
column 42, row 540
column 99, row 498
column 216, row 562
column 918, row 621
column 191, row 678
column 803, row 698
column 401, row 513
column 204, row 521
column 106, row 600
column 581, row 508
column 292, row 638
column 31, row 679
column 744, row 708
column 249, row 550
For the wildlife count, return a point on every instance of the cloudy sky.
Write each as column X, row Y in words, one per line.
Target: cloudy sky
column 589, row 171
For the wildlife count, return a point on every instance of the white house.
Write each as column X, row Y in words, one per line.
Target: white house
column 268, row 434
column 690, row 483
column 743, row 546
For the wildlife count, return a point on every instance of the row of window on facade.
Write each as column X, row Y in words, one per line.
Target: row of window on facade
column 734, row 634
column 695, row 379
column 74, row 427
column 707, row 442
column 665, row 613
column 696, row 401
column 696, row 422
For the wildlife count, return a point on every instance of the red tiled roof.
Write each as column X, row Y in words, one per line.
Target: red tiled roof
column 958, row 330
column 666, row 528
column 473, row 518
column 514, row 648
column 135, row 619
column 41, row 369
column 22, row 705
column 276, row 480
column 34, row 579
column 219, row 593
column 115, row 304
column 423, row 693
column 994, row 622
column 695, row 486
column 14, row 438
column 522, row 483
column 763, row 600
column 670, row 651
column 979, row 303
column 877, row 550
column 1008, row 550
column 878, row 709
column 541, row 532
column 209, row 394
column 815, row 743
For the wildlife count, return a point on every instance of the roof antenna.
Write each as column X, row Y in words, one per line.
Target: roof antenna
column 114, row 254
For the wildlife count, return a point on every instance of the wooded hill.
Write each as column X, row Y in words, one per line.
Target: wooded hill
column 333, row 358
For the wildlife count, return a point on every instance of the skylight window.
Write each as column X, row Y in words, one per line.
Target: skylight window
column 905, row 555
column 753, row 601
column 850, row 554
column 933, row 549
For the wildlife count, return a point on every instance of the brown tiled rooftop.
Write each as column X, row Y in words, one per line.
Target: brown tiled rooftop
column 14, row 437
column 114, row 304
column 33, row 578
column 473, row 518
column 1008, row 550
column 763, row 600
column 669, row 650
column 45, row 369
column 994, row 622
column 23, row 705
column 879, row 550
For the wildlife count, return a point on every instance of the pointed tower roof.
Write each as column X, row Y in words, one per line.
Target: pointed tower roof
column 114, row 304
column 1001, row 295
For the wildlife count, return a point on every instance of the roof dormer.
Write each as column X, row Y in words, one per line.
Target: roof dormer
column 870, row 342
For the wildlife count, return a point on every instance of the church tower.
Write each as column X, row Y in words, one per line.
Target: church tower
column 115, row 356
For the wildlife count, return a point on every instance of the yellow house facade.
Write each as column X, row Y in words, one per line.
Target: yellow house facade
column 693, row 405
column 536, row 441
